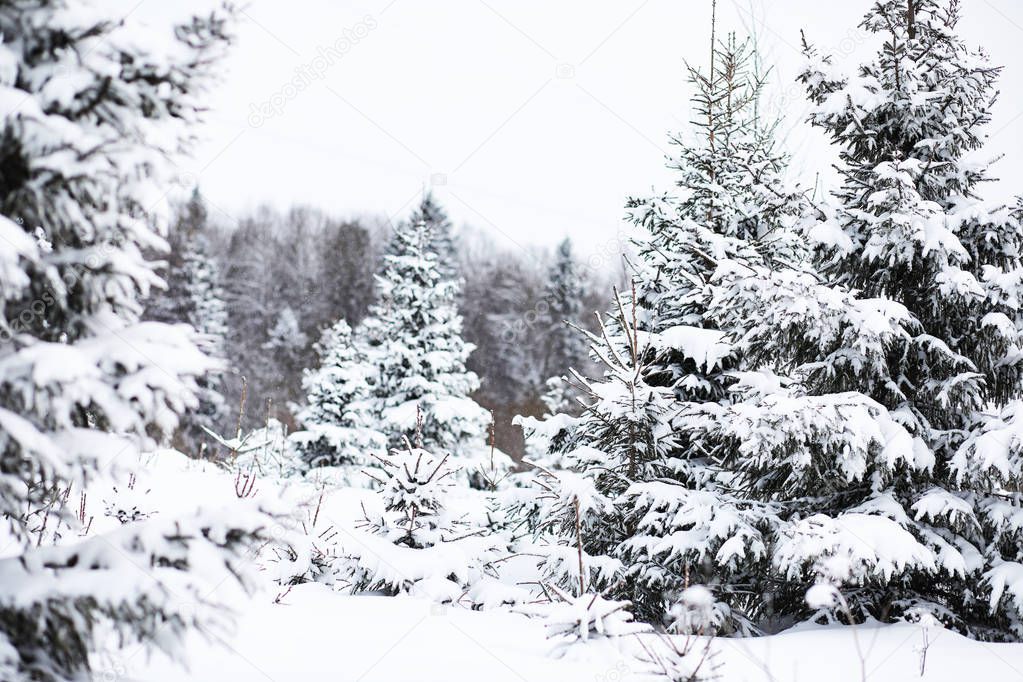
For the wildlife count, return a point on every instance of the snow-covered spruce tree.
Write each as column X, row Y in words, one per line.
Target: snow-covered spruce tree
column 82, row 381
column 731, row 208
column 417, row 543
column 442, row 239
column 566, row 348
column 285, row 343
column 194, row 296
column 681, row 520
column 337, row 405
column 628, row 516
column 413, row 336
column 732, row 211
column 881, row 453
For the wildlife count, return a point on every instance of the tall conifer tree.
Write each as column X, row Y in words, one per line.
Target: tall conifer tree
column 82, row 380
column 657, row 502
column 909, row 228
column 413, row 337
column 194, row 296
column 892, row 477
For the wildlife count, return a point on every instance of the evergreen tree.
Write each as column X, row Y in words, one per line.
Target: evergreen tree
column 441, row 234
column 676, row 517
column 413, row 337
column 733, row 214
column 732, row 210
column 908, row 227
column 566, row 348
column 417, row 545
column 285, row 345
column 82, row 380
column 639, row 520
column 337, row 405
column 194, row 296
column 622, row 433
column 879, row 452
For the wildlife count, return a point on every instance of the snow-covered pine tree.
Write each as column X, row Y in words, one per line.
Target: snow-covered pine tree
column 194, row 296
column 285, row 343
column 676, row 516
column 417, row 543
column 413, row 336
column 99, row 103
column 442, row 237
column 630, row 517
column 881, row 455
column 337, row 405
column 732, row 208
column 683, row 521
column 566, row 348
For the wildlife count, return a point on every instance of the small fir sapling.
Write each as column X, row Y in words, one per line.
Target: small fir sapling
column 414, row 541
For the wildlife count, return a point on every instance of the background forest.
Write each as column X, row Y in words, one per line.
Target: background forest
column 269, row 284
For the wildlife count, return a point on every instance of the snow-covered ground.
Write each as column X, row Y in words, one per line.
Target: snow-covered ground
column 312, row 632
column 315, row 634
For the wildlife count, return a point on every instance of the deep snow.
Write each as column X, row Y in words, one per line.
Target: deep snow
column 312, row 632
column 315, row 634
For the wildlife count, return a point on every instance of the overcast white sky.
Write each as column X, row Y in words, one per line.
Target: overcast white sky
column 533, row 119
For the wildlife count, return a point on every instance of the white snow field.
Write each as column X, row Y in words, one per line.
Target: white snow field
column 319, row 635
column 316, row 632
